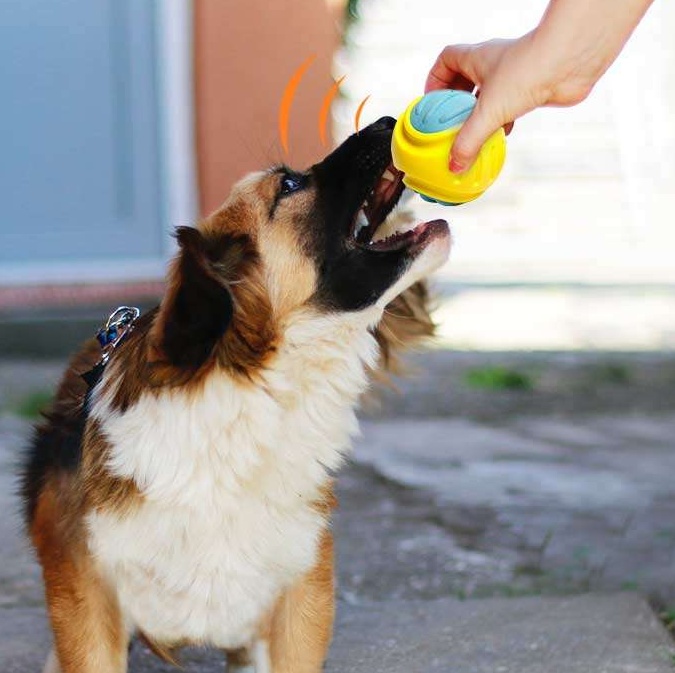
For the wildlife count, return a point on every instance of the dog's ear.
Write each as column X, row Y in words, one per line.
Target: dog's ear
column 198, row 306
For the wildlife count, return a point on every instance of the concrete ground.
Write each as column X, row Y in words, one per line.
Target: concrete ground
column 486, row 523
column 602, row 634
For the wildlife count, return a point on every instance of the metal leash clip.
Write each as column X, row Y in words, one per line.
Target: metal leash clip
column 119, row 323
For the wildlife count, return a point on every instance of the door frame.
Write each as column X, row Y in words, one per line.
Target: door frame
column 176, row 161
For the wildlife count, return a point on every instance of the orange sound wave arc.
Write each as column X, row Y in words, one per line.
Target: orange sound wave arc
column 359, row 110
column 325, row 108
column 287, row 100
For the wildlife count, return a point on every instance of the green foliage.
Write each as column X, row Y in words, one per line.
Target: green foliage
column 498, row 378
column 630, row 585
column 667, row 617
column 352, row 10
column 613, row 373
column 33, row 403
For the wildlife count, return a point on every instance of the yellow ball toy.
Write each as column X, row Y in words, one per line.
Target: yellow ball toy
column 421, row 145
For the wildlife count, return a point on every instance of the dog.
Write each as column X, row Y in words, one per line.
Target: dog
column 184, row 494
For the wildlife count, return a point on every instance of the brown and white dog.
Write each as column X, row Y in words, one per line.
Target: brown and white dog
column 187, row 498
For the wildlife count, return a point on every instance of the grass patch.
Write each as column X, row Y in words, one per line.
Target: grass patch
column 665, row 534
column 632, row 585
column 498, row 378
column 32, row 404
column 668, row 618
column 612, row 373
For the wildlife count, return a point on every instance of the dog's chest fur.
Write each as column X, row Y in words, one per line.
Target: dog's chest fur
column 230, row 476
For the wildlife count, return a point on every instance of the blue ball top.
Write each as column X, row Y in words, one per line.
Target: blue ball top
column 441, row 110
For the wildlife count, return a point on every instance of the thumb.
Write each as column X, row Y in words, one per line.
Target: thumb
column 480, row 125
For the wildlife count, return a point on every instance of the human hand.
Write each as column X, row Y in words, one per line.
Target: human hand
column 512, row 77
column 557, row 63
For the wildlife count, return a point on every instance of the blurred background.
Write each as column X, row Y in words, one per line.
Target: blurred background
column 532, row 450
column 122, row 120
column 572, row 246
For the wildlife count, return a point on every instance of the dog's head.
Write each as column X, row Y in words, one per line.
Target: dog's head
column 290, row 243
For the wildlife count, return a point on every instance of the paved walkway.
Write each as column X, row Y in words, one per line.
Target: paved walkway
column 520, row 498
column 583, row 634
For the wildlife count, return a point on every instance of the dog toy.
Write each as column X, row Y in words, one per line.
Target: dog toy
column 421, row 144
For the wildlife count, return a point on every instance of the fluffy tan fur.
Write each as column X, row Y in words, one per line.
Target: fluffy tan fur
column 269, row 275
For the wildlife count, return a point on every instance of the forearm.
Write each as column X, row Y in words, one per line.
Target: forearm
column 580, row 39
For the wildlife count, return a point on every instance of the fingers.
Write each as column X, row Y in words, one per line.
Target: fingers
column 508, row 127
column 463, row 83
column 480, row 125
column 457, row 81
column 475, row 131
column 451, row 70
column 467, row 67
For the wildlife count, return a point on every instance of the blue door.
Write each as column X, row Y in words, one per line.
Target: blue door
column 79, row 150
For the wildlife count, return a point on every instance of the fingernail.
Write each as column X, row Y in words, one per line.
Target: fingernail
column 456, row 167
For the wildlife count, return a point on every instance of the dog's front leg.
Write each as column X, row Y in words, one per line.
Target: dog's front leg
column 89, row 636
column 89, row 632
column 301, row 627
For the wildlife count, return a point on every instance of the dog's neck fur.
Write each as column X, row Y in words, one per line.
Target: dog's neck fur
column 233, row 472
column 299, row 411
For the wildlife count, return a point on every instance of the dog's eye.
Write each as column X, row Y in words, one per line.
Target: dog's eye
column 292, row 183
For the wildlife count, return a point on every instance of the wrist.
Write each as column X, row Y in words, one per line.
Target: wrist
column 568, row 63
column 578, row 40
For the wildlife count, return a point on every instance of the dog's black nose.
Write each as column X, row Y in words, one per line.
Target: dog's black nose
column 383, row 124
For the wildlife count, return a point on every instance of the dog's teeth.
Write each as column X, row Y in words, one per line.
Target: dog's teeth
column 406, row 195
column 361, row 223
column 388, row 175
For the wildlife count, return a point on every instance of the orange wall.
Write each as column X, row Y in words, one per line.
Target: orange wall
column 245, row 52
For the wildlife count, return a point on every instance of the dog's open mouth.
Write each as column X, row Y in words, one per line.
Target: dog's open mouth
column 375, row 228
